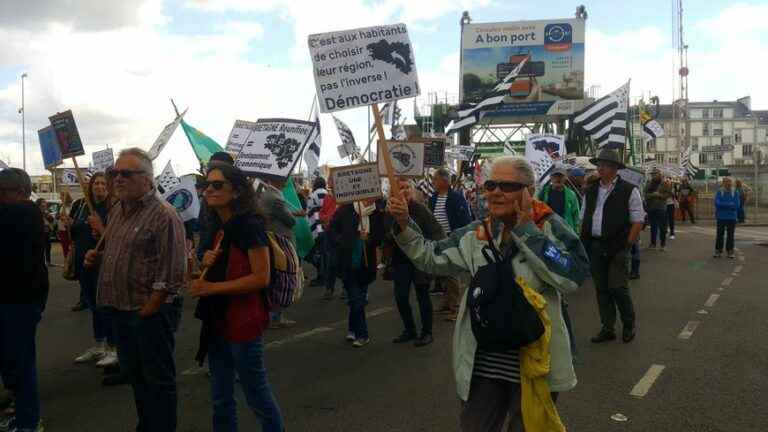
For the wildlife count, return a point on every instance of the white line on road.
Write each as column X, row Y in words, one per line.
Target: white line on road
column 727, row 281
column 688, row 330
column 646, row 382
column 711, row 300
column 738, row 268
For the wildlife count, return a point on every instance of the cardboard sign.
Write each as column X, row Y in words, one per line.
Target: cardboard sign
column 274, row 147
column 239, row 135
column 103, row 159
column 356, row 183
column 407, row 158
column 67, row 135
column 49, row 147
column 434, row 153
column 363, row 66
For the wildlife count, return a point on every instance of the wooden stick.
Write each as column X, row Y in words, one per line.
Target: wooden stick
column 81, row 180
column 215, row 249
column 393, row 186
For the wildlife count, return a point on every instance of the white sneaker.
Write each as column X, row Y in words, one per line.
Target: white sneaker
column 92, row 354
column 110, row 359
column 361, row 342
column 672, row 237
column 351, row 337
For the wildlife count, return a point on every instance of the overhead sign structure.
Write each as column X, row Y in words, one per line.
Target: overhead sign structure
column 239, row 135
column 360, row 67
column 549, row 83
column 49, row 147
column 103, row 159
column 407, row 158
column 274, row 146
column 356, row 183
column 434, row 153
column 66, row 134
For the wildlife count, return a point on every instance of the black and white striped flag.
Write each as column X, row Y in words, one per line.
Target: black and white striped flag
column 425, row 186
column 470, row 116
column 652, row 130
column 312, row 154
column 347, row 139
column 605, row 120
column 689, row 169
column 167, row 180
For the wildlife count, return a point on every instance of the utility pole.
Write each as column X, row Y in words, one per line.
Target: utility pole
column 756, row 156
column 22, row 111
column 682, row 50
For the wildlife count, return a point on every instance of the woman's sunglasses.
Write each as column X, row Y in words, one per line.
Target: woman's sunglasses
column 491, row 185
column 216, row 184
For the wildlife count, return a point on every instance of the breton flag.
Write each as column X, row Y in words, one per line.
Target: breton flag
column 470, row 116
column 605, row 120
column 347, row 139
column 312, row 154
column 652, row 130
column 167, row 180
column 689, row 169
column 3, row 165
column 425, row 186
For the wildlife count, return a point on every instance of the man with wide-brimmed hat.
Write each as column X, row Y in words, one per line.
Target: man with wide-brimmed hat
column 612, row 217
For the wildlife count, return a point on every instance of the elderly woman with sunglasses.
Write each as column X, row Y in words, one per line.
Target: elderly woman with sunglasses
column 542, row 250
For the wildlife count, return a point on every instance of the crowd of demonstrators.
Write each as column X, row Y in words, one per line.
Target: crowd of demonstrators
column 657, row 192
column 23, row 297
column 232, row 306
column 728, row 203
column 489, row 381
column 404, row 274
column 452, row 213
column 612, row 217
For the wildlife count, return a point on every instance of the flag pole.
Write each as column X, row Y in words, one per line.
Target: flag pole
column 81, row 180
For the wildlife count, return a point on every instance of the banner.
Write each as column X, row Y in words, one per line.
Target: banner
column 49, row 147
column 550, row 81
column 407, row 158
column 274, row 147
column 183, row 197
column 460, row 153
column 67, row 135
column 165, row 136
column 355, row 183
column 360, row 67
column 103, row 159
column 239, row 135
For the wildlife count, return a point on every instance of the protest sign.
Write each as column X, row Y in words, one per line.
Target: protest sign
column 356, row 183
column 407, row 158
column 434, row 153
column 49, row 147
column 183, row 197
column 165, row 136
column 66, row 134
column 274, row 147
column 364, row 66
column 459, row 152
column 239, row 135
column 3, row 166
column 103, row 159
column 552, row 145
column 632, row 176
column 69, row 176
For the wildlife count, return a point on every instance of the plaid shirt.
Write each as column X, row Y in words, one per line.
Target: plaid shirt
column 145, row 252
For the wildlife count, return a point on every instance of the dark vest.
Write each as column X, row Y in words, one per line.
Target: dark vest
column 616, row 225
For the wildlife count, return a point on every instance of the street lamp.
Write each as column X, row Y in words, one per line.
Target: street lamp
column 23, row 126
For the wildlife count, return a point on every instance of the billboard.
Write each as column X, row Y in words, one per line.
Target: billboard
column 548, row 84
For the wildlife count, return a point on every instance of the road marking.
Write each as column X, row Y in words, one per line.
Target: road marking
column 702, row 312
column 377, row 312
column 727, row 281
column 711, row 300
column 741, row 258
column 646, row 382
column 688, row 330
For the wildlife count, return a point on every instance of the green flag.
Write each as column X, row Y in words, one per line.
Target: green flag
column 201, row 143
column 301, row 231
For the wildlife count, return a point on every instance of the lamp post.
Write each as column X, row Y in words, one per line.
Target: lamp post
column 23, row 126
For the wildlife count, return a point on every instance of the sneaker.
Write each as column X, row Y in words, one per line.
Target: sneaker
column 663, row 249
column 109, row 359
column 717, row 254
column 651, row 247
column 731, row 255
column 92, row 354
column 424, row 340
column 404, row 337
column 361, row 342
column 351, row 337
column 672, row 237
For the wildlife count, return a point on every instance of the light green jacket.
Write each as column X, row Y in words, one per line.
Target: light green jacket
column 551, row 259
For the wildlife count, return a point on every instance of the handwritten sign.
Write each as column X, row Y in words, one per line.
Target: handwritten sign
column 103, row 159
column 363, row 66
column 407, row 158
column 434, row 153
column 356, row 183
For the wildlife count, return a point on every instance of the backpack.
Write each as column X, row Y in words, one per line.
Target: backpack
column 285, row 286
column 502, row 318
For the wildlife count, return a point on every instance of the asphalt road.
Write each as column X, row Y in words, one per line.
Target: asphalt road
column 713, row 380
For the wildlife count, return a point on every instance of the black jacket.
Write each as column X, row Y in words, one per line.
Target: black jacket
column 22, row 255
column 345, row 232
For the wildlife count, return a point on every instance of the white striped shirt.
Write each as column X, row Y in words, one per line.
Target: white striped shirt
column 441, row 214
column 503, row 366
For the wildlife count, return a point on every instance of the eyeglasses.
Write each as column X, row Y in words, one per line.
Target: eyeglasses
column 217, row 184
column 124, row 173
column 491, row 185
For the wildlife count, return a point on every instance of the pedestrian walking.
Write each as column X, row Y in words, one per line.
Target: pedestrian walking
column 687, row 199
column 452, row 212
column 142, row 270
column 656, row 195
column 560, row 198
column 23, row 295
column 743, row 190
column 405, row 274
column 548, row 258
column 727, row 204
column 612, row 217
column 232, row 307
column 672, row 204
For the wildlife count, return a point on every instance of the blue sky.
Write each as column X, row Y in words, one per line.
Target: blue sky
column 117, row 64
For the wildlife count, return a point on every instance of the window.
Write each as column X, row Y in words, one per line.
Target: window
column 746, row 150
column 660, row 157
column 726, row 140
column 705, row 113
column 717, row 129
column 695, row 147
column 705, row 129
column 717, row 113
column 672, row 161
column 737, row 137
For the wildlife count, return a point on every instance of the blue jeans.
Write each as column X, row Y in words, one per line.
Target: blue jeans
column 658, row 220
column 357, row 299
column 18, row 328
column 247, row 359
column 102, row 320
column 145, row 350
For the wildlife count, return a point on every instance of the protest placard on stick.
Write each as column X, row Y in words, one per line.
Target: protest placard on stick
column 406, row 158
column 103, row 159
column 356, row 183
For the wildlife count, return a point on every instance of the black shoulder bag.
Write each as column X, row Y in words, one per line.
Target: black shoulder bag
column 502, row 318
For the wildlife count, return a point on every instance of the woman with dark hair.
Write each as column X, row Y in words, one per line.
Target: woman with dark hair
column 233, row 306
column 86, row 229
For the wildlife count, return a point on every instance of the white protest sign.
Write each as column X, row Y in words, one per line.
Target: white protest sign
column 183, row 197
column 552, row 145
column 343, row 153
column 633, row 176
column 363, row 66
column 103, row 159
column 164, row 136
column 239, row 135
column 274, row 147
column 407, row 158
column 69, row 176
column 356, row 183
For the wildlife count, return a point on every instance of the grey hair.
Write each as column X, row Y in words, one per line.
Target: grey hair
column 520, row 164
column 444, row 173
column 144, row 160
